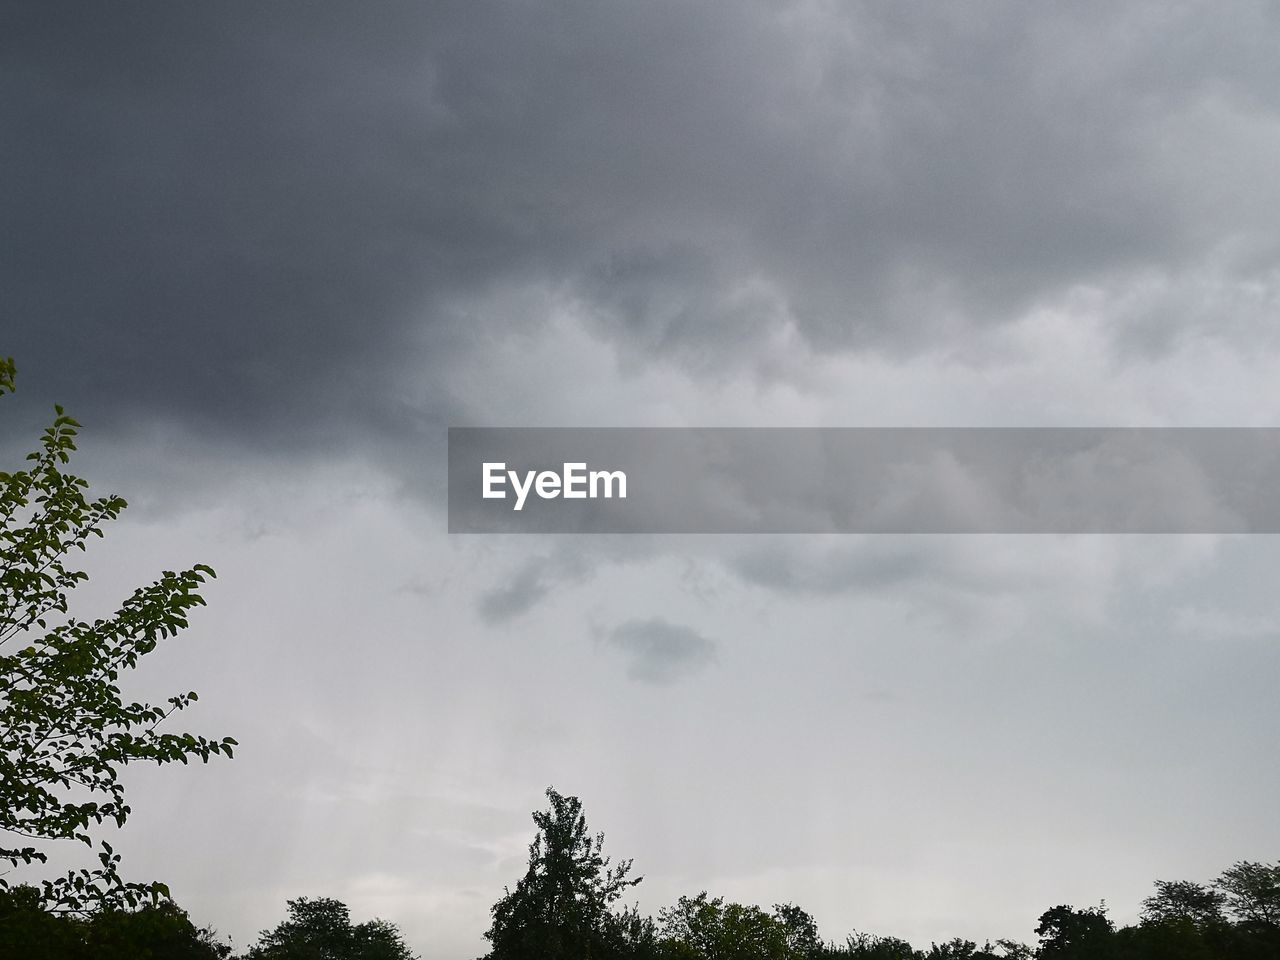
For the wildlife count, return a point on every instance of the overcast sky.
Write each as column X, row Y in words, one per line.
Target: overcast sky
column 267, row 253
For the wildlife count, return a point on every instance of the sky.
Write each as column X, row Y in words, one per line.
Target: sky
column 268, row 253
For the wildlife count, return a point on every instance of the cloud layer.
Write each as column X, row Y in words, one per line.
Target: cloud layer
column 268, row 252
column 287, row 220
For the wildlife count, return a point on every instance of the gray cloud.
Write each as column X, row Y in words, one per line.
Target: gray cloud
column 517, row 592
column 267, row 221
column 518, row 595
column 274, row 249
column 660, row 652
column 874, row 565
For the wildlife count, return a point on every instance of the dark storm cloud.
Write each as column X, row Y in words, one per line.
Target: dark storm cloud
column 266, row 219
column 661, row 652
column 229, row 213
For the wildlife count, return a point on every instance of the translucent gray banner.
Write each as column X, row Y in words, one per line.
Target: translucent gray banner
column 864, row 480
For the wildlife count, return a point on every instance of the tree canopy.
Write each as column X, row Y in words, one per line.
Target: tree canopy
column 321, row 929
column 562, row 909
column 152, row 931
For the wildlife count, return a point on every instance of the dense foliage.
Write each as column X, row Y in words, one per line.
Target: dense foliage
column 154, row 931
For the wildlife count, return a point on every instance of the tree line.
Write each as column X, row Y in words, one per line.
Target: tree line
column 569, row 906
column 566, row 907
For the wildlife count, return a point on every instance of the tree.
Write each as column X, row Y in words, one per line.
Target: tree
column 700, row 928
column 562, row 909
column 1183, row 900
column 28, row 930
column 1067, row 933
column 1175, row 938
column 1252, row 892
column 800, row 930
column 321, row 929
column 1009, row 950
column 66, row 729
column 956, row 948
column 154, row 931
column 865, row 946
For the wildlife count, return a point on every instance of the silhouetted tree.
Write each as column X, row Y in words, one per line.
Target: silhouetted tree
column 1069, row 934
column 1005, row 949
column 1175, row 938
column 29, row 931
column 864, row 946
column 954, row 949
column 321, row 929
column 562, row 909
column 1182, row 920
column 636, row 936
column 800, row 930
column 1252, row 892
column 1175, row 900
column 154, row 931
